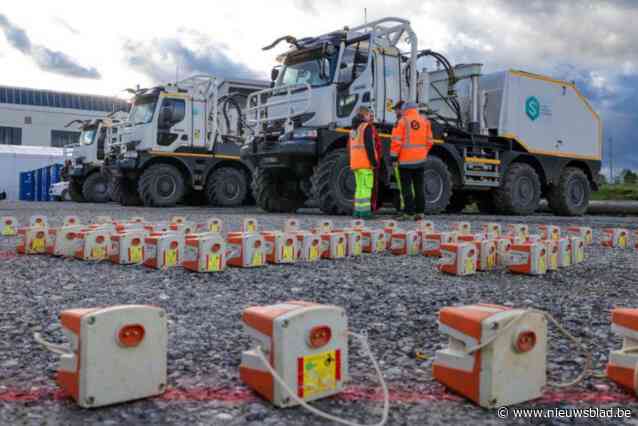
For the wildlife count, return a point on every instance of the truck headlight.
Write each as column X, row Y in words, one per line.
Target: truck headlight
column 304, row 134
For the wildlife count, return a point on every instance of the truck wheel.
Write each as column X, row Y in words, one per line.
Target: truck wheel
column 226, row 187
column 161, row 185
column 124, row 192
column 334, row 183
column 520, row 192
column 570, row 197
column 458, row 202
column 96, row 188
column 75, row 191
column 438, row 186
column 276, row 193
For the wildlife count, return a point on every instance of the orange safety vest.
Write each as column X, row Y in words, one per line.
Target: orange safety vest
column 411, row 139
column 358, row 154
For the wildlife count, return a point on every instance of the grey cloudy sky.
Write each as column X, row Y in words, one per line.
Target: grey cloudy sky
column 66, row 45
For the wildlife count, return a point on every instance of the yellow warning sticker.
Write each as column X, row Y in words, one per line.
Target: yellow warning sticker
column 258, row 259
column 214, row 263
column 341, row 250
column 288, row 253
column 491, row 261
column 542, row 264
column 320, row 373
column 380, row 244
column 314, row 253
column 469, row 265
column 98, row 253
column 8, row 230
column 214, row 227
column 136, row 254
column 622, row 241
column 580, row 255
column 38, row 245
column 251, row 227
column 170, row 257
column 356, row 248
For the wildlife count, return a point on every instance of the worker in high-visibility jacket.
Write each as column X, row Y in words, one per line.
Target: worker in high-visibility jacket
column 362, row 161
column 411, row 143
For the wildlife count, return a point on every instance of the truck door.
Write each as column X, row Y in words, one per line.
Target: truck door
column 175, row 131
column 354, row 78
column 388, row 84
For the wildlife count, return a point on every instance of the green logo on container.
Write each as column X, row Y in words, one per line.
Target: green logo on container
column 532, row 108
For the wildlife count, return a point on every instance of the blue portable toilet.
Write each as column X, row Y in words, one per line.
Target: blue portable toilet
column 45, row 183
column 56, row 171
column 27, row 186
column 38, row 185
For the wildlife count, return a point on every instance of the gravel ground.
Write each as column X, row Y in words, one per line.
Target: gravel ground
column 394, row 299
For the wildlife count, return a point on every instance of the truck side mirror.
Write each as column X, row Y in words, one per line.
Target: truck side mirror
column 274, row 73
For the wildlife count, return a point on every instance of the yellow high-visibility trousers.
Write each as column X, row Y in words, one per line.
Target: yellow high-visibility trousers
column 364, row 180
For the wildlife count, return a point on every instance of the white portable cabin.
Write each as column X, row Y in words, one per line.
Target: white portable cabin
column 16, row 159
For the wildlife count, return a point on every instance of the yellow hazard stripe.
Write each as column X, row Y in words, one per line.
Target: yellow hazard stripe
column 481, row 160
column 550, row 153
column 191, row 154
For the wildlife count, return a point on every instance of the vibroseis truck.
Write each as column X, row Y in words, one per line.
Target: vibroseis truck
column 83, row 169
column 182, row 140
column 504, row 140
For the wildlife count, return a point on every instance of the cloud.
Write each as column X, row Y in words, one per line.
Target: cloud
column 45, row 58
column 306, row 6
column 66, row 26
column 160, row 58
column 589, row 42
column 16, row 37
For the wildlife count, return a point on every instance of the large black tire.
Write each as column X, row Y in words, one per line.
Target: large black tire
column 458, row 201
column 277, row 192
column 334, row 184
column 161, row 185
column 114, row 190
column 438, row 185
column 75, row 191
column 124, row 192
column 227, row 187
column 520, row 191
column 570, row 197
column 96, row 188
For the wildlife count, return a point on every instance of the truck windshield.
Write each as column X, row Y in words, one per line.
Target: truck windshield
column 311, row 68
column 87, row 136
column 143, row 110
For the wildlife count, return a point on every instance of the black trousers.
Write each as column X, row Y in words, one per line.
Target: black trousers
column 412, row 189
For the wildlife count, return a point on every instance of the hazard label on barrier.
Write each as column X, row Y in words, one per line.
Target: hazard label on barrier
column 136, row 254
column 214, row 263
column 314, row 252
column 38, row 245
column 170, row 257
column 288, row 252
column 469, row 265
column 341, row 250
column 318, row 373
column 98, row 253
column 257, row 259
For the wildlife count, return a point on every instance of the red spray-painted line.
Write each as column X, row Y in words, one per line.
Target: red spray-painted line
column 241, row 395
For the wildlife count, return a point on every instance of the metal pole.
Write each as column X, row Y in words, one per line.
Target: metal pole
column 611, row 160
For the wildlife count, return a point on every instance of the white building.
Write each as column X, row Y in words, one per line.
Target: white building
column 37, row 117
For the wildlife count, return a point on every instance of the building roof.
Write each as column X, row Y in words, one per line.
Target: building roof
column 54, row 99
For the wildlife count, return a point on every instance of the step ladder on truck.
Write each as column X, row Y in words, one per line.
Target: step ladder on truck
column 181, row 144
column 503, row 140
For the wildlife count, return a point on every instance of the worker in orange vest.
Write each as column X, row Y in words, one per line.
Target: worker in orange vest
column 411, row 143
column 362, row 161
